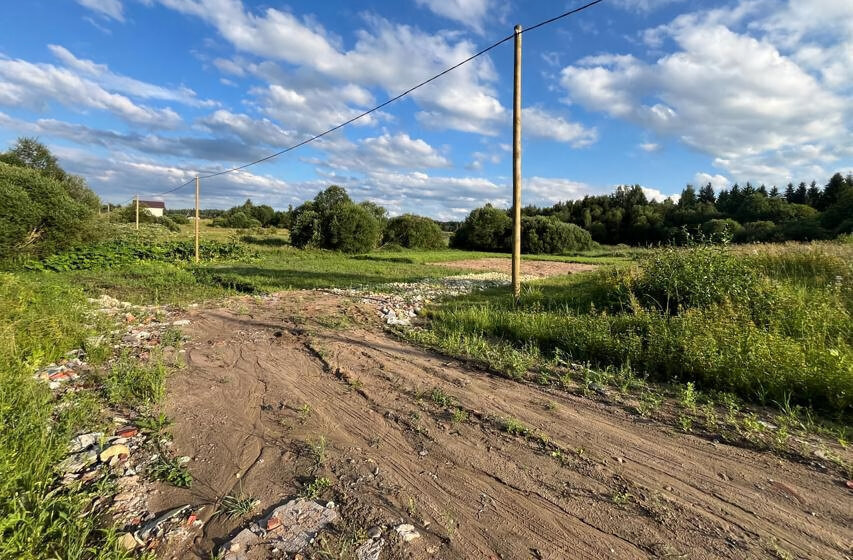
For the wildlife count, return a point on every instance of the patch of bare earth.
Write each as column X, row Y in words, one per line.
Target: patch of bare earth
column 528, row 267
column 265, row 380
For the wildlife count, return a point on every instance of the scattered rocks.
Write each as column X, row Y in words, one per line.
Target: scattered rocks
column 407, row 532
column 85, row 441
column 289, row 528
column 374, row 532
column 128, row 541
column 114, row 451
column 370, row 550
column 399, row 302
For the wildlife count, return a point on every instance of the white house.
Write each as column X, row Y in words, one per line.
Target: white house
column 156, row 207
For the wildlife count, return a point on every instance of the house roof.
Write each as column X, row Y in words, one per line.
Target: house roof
column 152, row 204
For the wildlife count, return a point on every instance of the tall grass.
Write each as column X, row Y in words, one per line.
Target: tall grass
column 40, row 319
column 768, row 326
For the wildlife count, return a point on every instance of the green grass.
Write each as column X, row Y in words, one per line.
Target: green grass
column 708, row 315
column 136, row 384
column 41, row 317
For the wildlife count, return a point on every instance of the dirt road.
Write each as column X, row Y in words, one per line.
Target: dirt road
column 267, row 382
column 528, row 267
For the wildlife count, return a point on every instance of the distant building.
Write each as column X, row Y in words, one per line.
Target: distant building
column 156, row 207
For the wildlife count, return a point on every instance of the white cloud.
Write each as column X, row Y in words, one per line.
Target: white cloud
column 470, row 13
column 546, row 191
column 378, row 154
column 730, row 95
column 107, row 8
column 655, row 194
column 649, row 147
column 34, row 85
column 717, row 181
column 393, row 57
column 124, row 84
column 539, row 123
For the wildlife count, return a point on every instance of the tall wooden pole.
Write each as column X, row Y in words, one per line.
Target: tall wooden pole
column 196, row 216
column 516, row 170
column 137, row 212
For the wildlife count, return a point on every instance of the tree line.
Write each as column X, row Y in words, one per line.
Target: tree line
column 747, row 213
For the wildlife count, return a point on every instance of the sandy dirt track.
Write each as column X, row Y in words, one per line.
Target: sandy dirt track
column 528, row 267
column 619, row 487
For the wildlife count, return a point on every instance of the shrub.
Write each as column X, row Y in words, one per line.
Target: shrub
column 333, row 221
column 549, row 235
column 39, row 215
column 413, row 232
column 722, row 228
column 306, row 229
column 673, row 278
column 238, row 219
column 762, row 231
column 485, row 229
column 350, row 228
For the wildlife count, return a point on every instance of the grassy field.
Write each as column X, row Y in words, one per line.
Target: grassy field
column 769, row 324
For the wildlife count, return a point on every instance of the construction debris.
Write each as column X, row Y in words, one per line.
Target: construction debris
column 289, row 528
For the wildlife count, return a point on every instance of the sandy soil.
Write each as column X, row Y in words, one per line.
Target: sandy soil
column 265, row 380
column 528, row 268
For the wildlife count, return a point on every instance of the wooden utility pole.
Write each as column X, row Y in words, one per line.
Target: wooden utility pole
column 516, row 170
column 137, row 211
column 196, row 216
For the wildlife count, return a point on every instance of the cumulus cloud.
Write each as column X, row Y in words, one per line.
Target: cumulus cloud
column 31, row 85
column 540, row 123
column 717, row 181
column 656, row 194
column 728, row 94
column 101, row 74
column 392, row 57
column 470, row 13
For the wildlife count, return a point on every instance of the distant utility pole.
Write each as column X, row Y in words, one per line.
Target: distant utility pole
column 516, row 170
column 196, row 216
column 137, row 211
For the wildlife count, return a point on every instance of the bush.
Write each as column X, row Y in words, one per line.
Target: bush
column 333, row 221
column 485, row 229
column 246, row 216
column 722, row 228
column 39, row 215
column 238, row 219
column 306, row 229
column 760, row 232
column 672, row 279
column 769, row 323
column 351, row 228
column 541, row 235
column 413, row 232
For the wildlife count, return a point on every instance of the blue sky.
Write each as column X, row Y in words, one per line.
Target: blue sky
column 139, row 95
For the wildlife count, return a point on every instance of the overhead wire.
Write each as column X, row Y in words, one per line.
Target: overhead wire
column 388, row 101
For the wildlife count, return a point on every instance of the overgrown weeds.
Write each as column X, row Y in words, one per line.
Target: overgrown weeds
column 705, row 314
column 40, row 319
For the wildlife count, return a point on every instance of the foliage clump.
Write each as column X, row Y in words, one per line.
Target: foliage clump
column 770, row 323
column 413, row 232
column 250, row 215
column 490, row 229
column 44, row 208
column 333, row 221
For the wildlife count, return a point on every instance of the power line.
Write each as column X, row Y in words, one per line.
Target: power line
column 391, row 100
